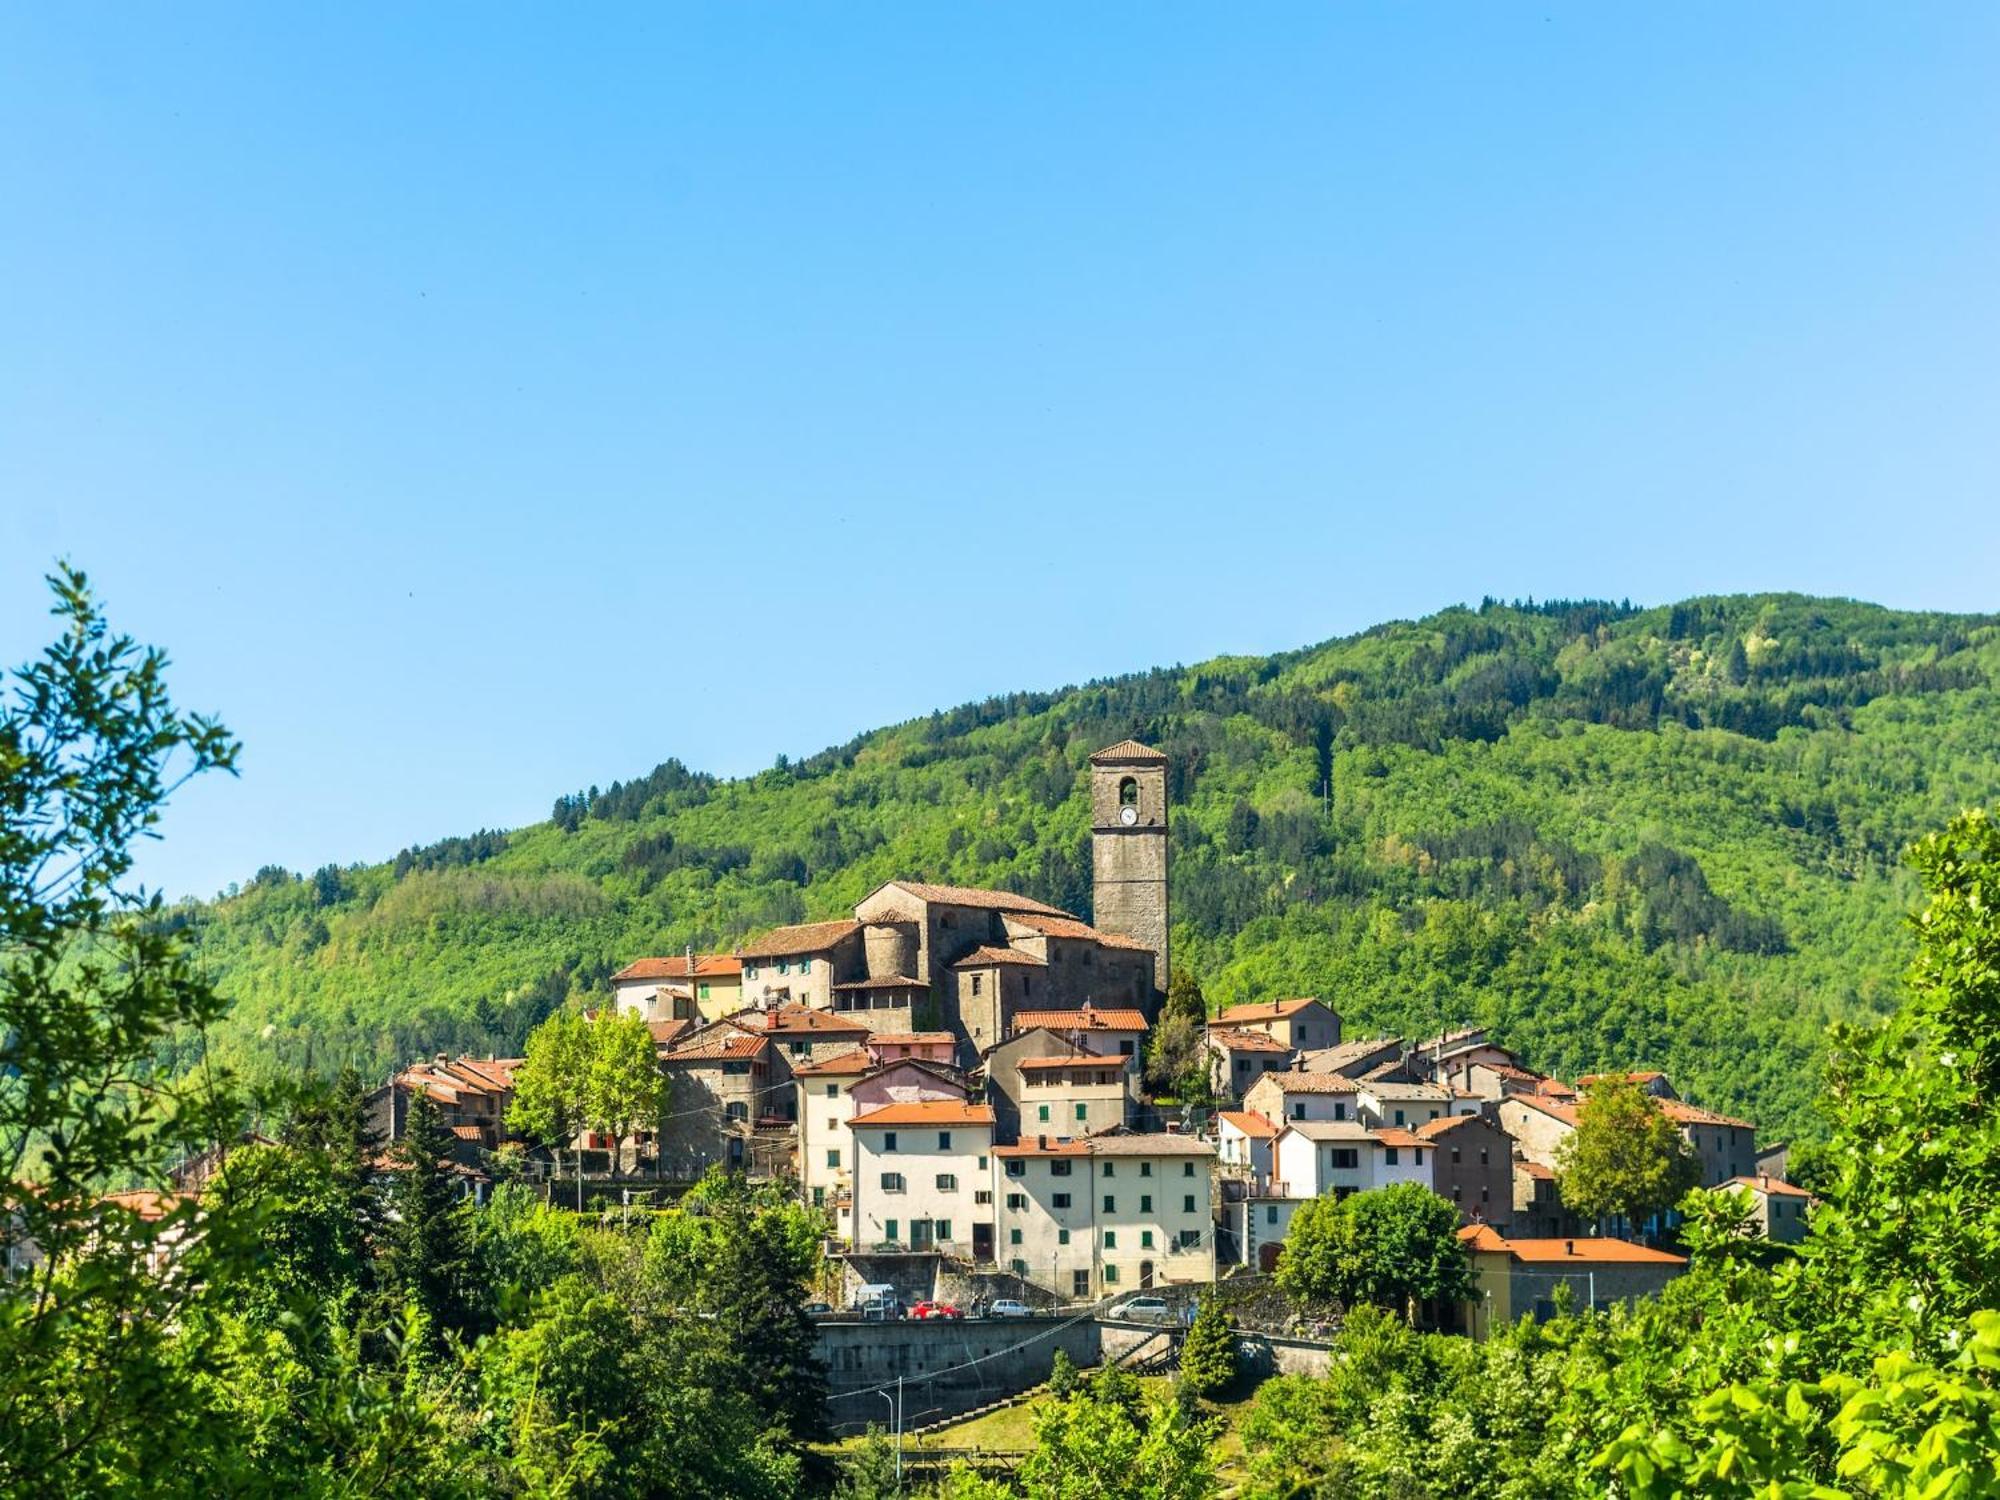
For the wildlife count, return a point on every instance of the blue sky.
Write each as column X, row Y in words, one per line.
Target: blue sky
column 482, row 401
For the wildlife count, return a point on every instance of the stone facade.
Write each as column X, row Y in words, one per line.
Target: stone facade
column 1472, row 1165
column 1128, row 847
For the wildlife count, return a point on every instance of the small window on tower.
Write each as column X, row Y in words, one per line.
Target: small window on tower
column 1128, row 792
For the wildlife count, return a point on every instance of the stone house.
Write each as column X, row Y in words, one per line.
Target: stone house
column 1353, row 1059
column 1778, row 1209
column 894, row 1003
column 1402, row 1104
column 1538, row 1207
column 1237, row 1059
column 1114, row 1213
column 1515, row 1278
column 1472, row 1164
column 923, row 1177
column 1085, row 966
column 1292, row 1097
column 1725, row 1147
column 730, row 1103
column 990, row 985
column 1538, row 1123
column 471, row 1096
column 802, row 1035
column 1302, row 1025
column 800, row 965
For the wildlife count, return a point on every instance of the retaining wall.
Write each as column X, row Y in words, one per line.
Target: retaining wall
column 947, row 1367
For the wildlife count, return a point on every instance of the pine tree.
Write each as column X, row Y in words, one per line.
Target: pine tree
column 758, row 1292
column 430, row 1254
column 1208, row 1354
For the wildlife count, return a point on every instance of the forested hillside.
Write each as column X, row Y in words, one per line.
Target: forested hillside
column 1667, row 836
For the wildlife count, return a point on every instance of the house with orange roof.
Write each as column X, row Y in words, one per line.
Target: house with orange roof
column 1243, row 1143
column 1292, row 1097
column 1341, row 1157
column 832, row 1092
column 1777, row 1208
column 799, row 965
column 471, row 1095
column 931, row 1046
column 1514, row 1278
column 686, row 987
column 922, row 1178
column 1302, row 1024
column 1110, row 1031
column 1237, row 1058
column 730, row 1103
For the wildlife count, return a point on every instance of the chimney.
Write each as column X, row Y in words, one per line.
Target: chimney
column 1041, row 1143
column 1569, row 1247
column 442, row 1058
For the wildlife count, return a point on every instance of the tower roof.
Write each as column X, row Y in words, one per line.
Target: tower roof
column 1126, row 751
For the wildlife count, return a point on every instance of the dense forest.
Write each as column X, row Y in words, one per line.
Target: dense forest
column 1668, row 836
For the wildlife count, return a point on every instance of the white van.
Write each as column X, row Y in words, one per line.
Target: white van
column 878, row 1302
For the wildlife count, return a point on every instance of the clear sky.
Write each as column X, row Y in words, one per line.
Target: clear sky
column 484, row 401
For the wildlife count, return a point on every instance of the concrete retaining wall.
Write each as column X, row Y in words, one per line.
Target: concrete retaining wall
column 947, row 1367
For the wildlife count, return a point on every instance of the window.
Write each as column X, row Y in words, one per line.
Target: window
column 1485, row 1195
column 1017, row 1201
column 1189, row 1238
column 888, row 1140
column 1482, row 1155
column 1110, row 1204
column 1187, row 1169
column 1345, row 1158
column 799, row 1048
column 1339, row 1111
column 892, row 1182
column 1083, row 1111
column 941, row 1231
column 1128, row 1048
column 1110, row 1240
column 1187, row 1203
column 784, row 966
column 1145, row 1169
column 1020, row 1267
column 1389, row 1156
column 749, row 971
column 1128, row 792
column 1059, row 1168
column 805, row 966
column 1027, row 985
column 1042, row 1113
column 947, row 1182
column 1420, row 1155
column 1016, row 1168
column 819, row 1197
column 1399, row 1117
column 1013, row 1236
column 1145, row 1203
column 1111, row 1169
column 975, row 985
column 1455, row 1155
column 888, row 1229
column 833, row 1091
column 737, row 1111
column 1059, row 1200
column 982, row 1164
column 1270, row 1213
column 1110, row 1275
column 702, row 991
column 1145, row 1239
column 1080, row 1284
column 833, row 1158
column 944, row 1140
column 1299, row 1109
column 1062, row 1236
column 736, row 1067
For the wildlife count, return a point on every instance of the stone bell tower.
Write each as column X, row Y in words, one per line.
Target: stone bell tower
column 1128, row 847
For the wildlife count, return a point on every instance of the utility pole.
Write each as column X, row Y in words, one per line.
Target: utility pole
column 899, row 1432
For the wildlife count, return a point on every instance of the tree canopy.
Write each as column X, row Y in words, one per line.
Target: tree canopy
column 1625, row 1159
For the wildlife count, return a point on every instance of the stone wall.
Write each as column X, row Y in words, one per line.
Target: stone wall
column 946, row 1367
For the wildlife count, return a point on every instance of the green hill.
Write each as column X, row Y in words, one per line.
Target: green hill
column 1666, row 836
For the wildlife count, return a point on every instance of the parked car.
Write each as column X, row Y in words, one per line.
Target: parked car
column 1007, row 1307
column 929, row 1309
column 1145, row 1310
column 819, row 1309
column 878, row 1302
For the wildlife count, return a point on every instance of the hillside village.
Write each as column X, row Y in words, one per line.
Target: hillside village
column 954, row 1076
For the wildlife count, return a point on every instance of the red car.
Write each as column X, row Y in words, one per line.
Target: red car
column 936, row 1310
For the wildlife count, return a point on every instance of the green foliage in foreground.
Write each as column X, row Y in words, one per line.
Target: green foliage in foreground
column 1392, row 1248
column 1664, row 837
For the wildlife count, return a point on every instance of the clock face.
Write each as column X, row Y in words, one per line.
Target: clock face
column 1128, row 815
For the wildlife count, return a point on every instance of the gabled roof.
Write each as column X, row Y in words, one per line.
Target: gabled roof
column 1329, row 1130
column 1044, row 1146
column 806, row 938
column 925, row 1112
column 721, row 1044
column 1087, row 1018
column 1395, row 1135
column 1403, row 1093
column 840, row 1065
column 1149, row 1143
column 1127, row 750
column 1070, row 927
column 1308, row 1083
column 1683, row 1113
column 1555, row 1109
column 1768, row 1185
column 972, row 897
column 666, row 1033
column 1583, row 1250
column 1233, row 1040
column 1431, row 1129
column 798, row 1020
column 1264, row 1010
column 706, row 966
column 986, row 955
column 1347, row 1055
column 912, row 1039
column 1248, row 1123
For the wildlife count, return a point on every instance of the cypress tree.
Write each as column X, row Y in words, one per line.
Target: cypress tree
column 430, row 1256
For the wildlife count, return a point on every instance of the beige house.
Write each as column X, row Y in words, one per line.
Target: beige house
column 800, row 965
column 1538, row 1124
column 922, row 1177
column 1302, row 1025
column 675, row 989
column 1404, row 1104
column 1041, row 1083
column 1288, row 1098
column 1515, row 1278
column 1108, row 1215
column 1777, row 1208
column 1237, row 1059
column 1108, row 1031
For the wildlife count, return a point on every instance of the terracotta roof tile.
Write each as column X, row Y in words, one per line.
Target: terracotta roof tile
column 1043, row 1146
column 986, row 955
column 1248, row 1123
column 1683, row 1113
column 1088, row 1018
column 926, row 1112
column 1149, row 1143
column 798, row 1020
column 1431, row 1129
column 1127, row 750
column 1264, row 1010
column 841, row 1065
column 807, row 938
column 1234, row 1040
column 1395, row 1136
column 976, row 898
column 666, row 1033
column 1769, row 1186
column 706, row 966
column 1583, row 1250
column 1309, row 1083
column 721, row 1044
column 912, row 1039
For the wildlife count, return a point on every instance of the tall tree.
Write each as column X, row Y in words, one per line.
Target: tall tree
column 552, row 1085
column 1391, row 1247
column 431, row 1260
column 93, row 982
column 624, row 1089
column 1208, row 1353
column 1625, row 1158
